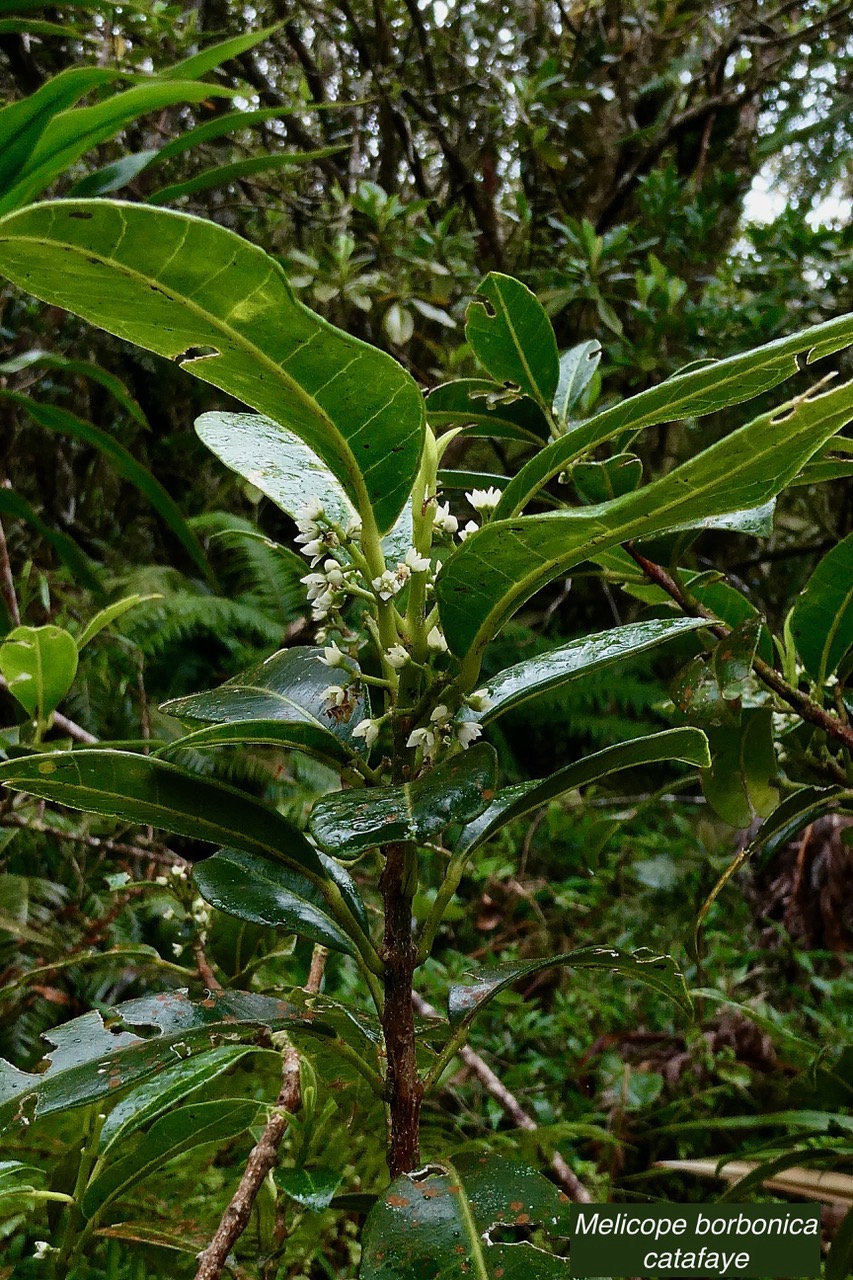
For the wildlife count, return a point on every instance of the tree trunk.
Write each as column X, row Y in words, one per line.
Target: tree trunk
column 404, row 1090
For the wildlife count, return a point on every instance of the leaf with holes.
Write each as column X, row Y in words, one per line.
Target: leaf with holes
column 39, row 665
column 822, row 622
column 196, row 292
column 687, row 745
column 510, row 334
column 465, row 1000
column 143, row 789
column 741, row 471
column 92, row 1060
column 479, row 1216
column 486, row 410
column 279, row 701
column 347, row 823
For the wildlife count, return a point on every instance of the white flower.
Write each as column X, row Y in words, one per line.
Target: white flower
column 335, row 695
column 367, row 729
column 484, row 499
column 480, row 700
column 443, row 521
column 417, row 563
column 439, row 713
column 333, row 572
column 353, row 529
column 391, row 581
column 436, row 640
column 177, row 950
column 315, row 584
column 467, row 732
column 333, row 656
column 471, row 527
column 421, row 738
column 311, row 510
column 42, row 1248
column 397, row 656
column 314, row 549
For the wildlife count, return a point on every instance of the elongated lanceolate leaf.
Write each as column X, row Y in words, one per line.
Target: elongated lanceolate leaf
column 347, row 823
column 90, row 1060
column 687, row 745
column 84, row 570
column 279, row 701
column 510, row 334
column 577, row 366
column 516, row 684
column 79, row 368
column 195, row 292
column 147, row 790
column 661, row 973
column 502, row 565
column 452, row 1221
column 266, row 892
column 714, row 386
column 822, row 622
column 222, row 174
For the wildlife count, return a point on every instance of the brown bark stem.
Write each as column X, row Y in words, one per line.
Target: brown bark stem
column 404, row 1089
column 264, row 1154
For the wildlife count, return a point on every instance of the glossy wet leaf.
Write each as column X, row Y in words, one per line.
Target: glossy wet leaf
column 733, row 656
column 510, row 334
column 279, row 700
column 690, row 746
column 347, row 823
column 577, row 367
column 39, row 665
column 601, row 481
column 468, row 1219
column 311, row 1188
column 742, row 470
column 697, row 693
column 154, row 1096
column 741, row 783
column 144, row 789
column 822, row 622
column 660, row 973
column 790, row 817
column 196, row 292
column 516, row 684
column 265, row 892
column 91, row 1060
column 170, row 1136
column 484, row 409
column 715, row 385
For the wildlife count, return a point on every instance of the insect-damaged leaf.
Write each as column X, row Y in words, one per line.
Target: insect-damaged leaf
column 480, row 1216
column 266, row 892
column 347, row 823
column 661, row 973
column 511, row 335
column 91, row 1061
column 485, row 409
column 278, row 701
column 739, row 785
column 196, row 292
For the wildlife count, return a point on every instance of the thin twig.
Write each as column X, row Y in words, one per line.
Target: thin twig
column 510, row 1106
column 7, row 582
column 264, row 1154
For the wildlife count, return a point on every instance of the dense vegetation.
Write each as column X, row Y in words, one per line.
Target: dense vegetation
column 542, row 509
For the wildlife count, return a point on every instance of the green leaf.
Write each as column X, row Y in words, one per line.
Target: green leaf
column 601, row 481
column 83, row 570
column 151, row 1098
column 741, row 471
column 347, row 823
column 515, row 685
column 199, row 64
column 696, row 692
column 68, row 135
column 170, row 1136
column 486, row 410
column 90, row 1061
column 716, row 385
column 60, row 420
column 80, row 368
column 733, row 657
column 112, row 177
column 109, row 615
column 465, row 1000
column 510, row 334
column 461, row 1221
column 795, row 812
column 144, row 789
column 822, row 621
column 278, row 701
column 739, row 785
column 223, row 174
column 311, row 1188
column 688, row 745
column 839, row 1262
column 577, row 367
column 195, row 292
column 39, row 665
column 265, row 892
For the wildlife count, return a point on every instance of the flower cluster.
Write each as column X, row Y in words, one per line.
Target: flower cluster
column 444, row 728
column 391, row 581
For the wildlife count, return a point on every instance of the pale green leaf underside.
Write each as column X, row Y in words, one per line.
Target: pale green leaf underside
column 192, row 291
